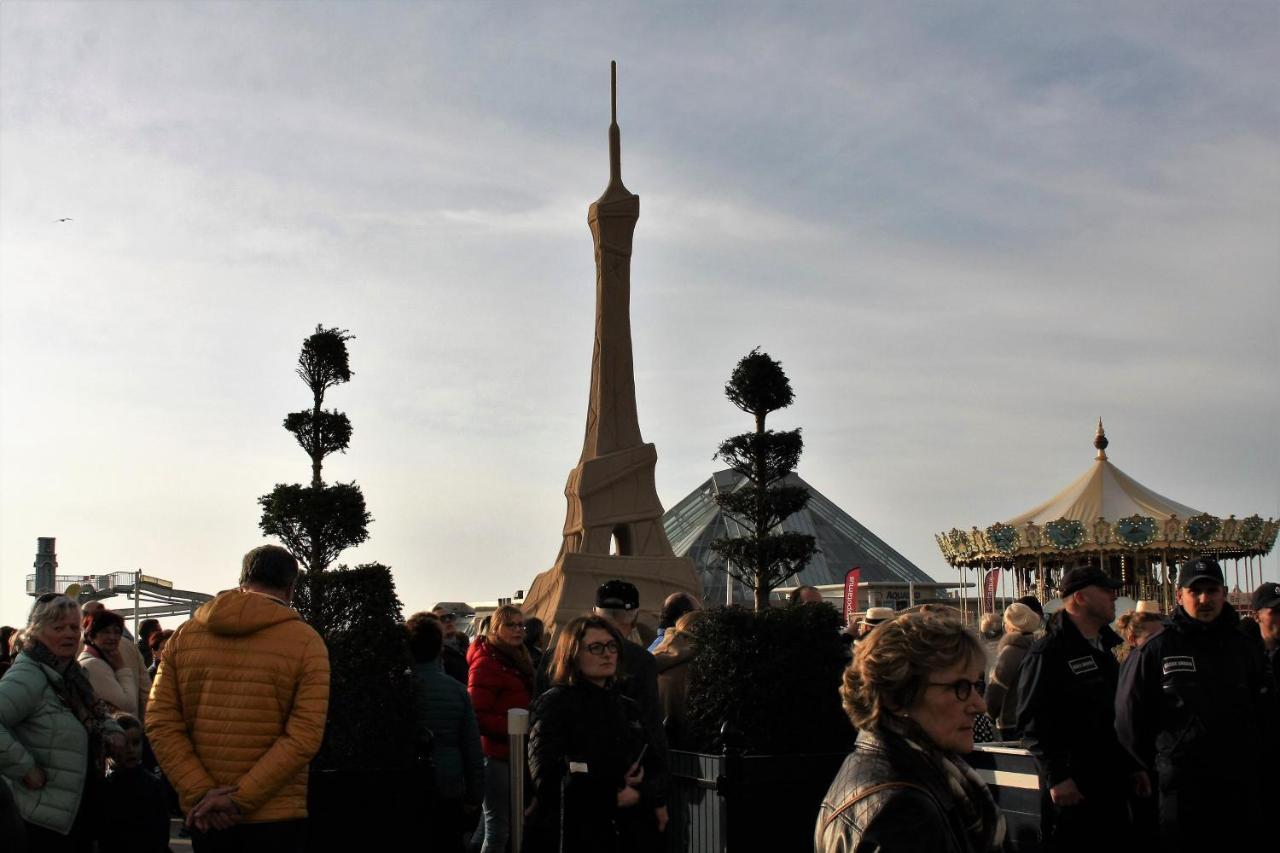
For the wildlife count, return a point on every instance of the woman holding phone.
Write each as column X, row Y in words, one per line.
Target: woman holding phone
column 596, row 783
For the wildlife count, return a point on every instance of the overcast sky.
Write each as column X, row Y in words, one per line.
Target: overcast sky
column 966, row 230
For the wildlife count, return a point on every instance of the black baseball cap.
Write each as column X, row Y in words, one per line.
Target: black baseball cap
column 1201, row 567
column 1266, row 596
column 618, row 595
column 1082, row 576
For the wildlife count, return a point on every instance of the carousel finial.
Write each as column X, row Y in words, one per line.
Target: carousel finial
column 1100, row 441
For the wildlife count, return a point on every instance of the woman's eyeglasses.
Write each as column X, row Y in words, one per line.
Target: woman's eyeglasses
column 600, row 649
column 962, row 687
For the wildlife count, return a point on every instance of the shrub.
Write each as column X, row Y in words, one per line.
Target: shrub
column 774, row 675
column 370, row 722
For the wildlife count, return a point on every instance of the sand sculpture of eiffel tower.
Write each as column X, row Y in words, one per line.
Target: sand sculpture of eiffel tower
column 613, row 527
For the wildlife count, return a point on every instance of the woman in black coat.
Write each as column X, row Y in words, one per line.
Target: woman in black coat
column 596, row 783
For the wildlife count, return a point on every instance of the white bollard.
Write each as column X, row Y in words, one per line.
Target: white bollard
column 518, row 738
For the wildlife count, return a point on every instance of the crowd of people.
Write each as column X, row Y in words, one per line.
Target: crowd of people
column 1166, row 736
column 1162, row 728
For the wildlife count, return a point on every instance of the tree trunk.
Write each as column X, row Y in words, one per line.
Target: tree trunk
column 317, row 459
column 761, row 589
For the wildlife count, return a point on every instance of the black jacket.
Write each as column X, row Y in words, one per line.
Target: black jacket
column 638, row 680
column 582, row 741
column 1197, row 707
column 1066, row 709
column 915, row 811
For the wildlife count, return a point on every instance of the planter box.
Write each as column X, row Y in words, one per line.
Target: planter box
column 733, row 803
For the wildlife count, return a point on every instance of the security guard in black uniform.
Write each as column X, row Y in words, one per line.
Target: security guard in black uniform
column 1066, row 713
column 1197, row 709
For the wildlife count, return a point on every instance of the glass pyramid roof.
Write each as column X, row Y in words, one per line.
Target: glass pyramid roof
column 695, row 522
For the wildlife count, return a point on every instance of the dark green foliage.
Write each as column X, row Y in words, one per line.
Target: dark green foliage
column 323, row 361
column 777, row 503
column 773, row 556
column 774, row 675
column 777, row 452
column 765, row 556
column 315, row 524
column 318, row 522
column 322, row 435
column 370, row 720
column 758, row 386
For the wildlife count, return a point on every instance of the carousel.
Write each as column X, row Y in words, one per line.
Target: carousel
column 1105, row 518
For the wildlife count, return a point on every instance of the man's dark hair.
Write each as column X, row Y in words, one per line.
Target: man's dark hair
column 674, row 607
column 270, row 566
column 426, row 636
column 148, row 627
column 794, row 596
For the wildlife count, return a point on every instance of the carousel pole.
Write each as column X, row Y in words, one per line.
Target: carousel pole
column 1004, row 589
column 1040, row 587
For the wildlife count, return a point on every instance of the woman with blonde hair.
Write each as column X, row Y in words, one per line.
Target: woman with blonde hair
column 54, row 731
column 500, row 678
column 1135, row 628
column 913, row 692
column 673, row 655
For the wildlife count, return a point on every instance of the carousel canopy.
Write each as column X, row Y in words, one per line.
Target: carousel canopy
column 1104, row 491
column 1105, row 511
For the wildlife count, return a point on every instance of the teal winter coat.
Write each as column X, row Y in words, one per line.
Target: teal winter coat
column 443, row 715
column 38, row 730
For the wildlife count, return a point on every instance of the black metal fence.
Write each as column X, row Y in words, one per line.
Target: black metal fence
column 734, row 803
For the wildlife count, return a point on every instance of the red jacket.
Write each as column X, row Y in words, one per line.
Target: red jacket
column 496, row 685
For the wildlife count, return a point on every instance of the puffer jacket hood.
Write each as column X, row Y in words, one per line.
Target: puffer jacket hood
column 237, row 613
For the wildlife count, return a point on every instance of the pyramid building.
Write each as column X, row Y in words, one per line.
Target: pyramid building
column 695, row 522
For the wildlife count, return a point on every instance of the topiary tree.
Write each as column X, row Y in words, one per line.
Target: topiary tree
column 317, row 522
column 765, row 557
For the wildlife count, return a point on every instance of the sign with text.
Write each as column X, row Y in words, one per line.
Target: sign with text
column 851, row 593
column 989, row 590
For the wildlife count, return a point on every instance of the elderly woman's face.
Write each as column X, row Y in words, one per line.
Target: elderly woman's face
column 941, row 712
column 62, row 636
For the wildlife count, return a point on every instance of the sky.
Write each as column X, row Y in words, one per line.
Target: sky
column 966, row 230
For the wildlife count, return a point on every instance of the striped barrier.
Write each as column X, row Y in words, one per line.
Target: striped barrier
column 1010, row 774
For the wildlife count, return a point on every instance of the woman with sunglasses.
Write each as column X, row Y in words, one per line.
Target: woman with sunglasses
column 595, row 786
column 913, row 691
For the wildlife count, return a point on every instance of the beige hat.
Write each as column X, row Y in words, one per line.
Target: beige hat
column 876, row 615
column 1021, row 618
column 1146, row 605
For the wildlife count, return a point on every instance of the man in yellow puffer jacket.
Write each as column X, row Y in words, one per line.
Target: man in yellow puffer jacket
column 238, row 708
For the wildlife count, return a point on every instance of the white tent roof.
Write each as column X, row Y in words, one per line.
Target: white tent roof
column 1104, row 490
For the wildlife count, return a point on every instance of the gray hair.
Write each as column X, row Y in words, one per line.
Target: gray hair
column 619, row 615
column 47, row 610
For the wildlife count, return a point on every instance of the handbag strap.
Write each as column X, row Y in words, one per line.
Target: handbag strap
column 866, row 792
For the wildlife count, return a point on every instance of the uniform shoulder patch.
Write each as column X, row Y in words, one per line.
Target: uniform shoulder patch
column 1178, row 663
column 1079, row 666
